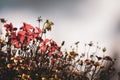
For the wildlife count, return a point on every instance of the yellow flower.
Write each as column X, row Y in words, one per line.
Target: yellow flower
column 16, row 68
column 15, row 61
column 28, row 76
column 56, row 70
column 1, row 40
column 48, row 25
column 101, row 66
column 36, row 74
column 11, row 58
column 28, row 68
column 21, row 60
column 23, row 76
column 43, row 78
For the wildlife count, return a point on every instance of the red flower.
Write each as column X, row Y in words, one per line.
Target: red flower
column 29, row 38
column 43, row 48
column 27, row 27
column 46, row 41
column 35, row 35
column 12, row 36
column 60, row 53
column 29, row 33
column 50, row 53
column 13, row 41
column 21, row 33
column 17, row 45
column 21, row 36
column 9, row 27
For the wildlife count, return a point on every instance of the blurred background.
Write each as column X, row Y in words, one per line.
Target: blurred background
column 75, row 20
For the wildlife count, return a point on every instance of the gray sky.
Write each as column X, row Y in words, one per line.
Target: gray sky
column 75, row 20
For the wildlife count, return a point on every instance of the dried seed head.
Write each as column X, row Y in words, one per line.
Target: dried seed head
column 91, row 56
column 63, row 42
column 104, row 49
column 2, row 20
column 83, row 54
column 107, row 58
column 101, row 66
column 91, row 43
column 99, row 58
column 39, row 19
column 96, row 64
column 87, row 61
column 76, row 43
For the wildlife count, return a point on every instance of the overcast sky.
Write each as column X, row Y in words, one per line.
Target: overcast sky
column 75, row 20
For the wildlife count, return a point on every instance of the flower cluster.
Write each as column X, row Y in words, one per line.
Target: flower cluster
column 25, row 54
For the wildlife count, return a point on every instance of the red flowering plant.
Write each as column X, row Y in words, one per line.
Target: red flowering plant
column 25, row 54
column 27, row 51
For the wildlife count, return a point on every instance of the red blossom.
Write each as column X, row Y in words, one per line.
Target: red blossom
column 12, row 36
column 29, row 38
column 46, row 41
column 60, row 53
column 21, row 36
column 21, row 33
column 13, row 41
column 50, row 53
column 43, row 48
column 49, row 45
column 17, row 45
column 26, row 26
column 9, row 27
column 29, row 33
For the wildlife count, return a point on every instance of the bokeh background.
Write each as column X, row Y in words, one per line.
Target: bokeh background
column 75, row 20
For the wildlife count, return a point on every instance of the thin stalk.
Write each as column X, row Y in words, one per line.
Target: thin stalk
column 92, row 77
column 88, row 52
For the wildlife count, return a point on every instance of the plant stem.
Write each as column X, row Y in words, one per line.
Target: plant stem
column 88, row 52
column 92, row 77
